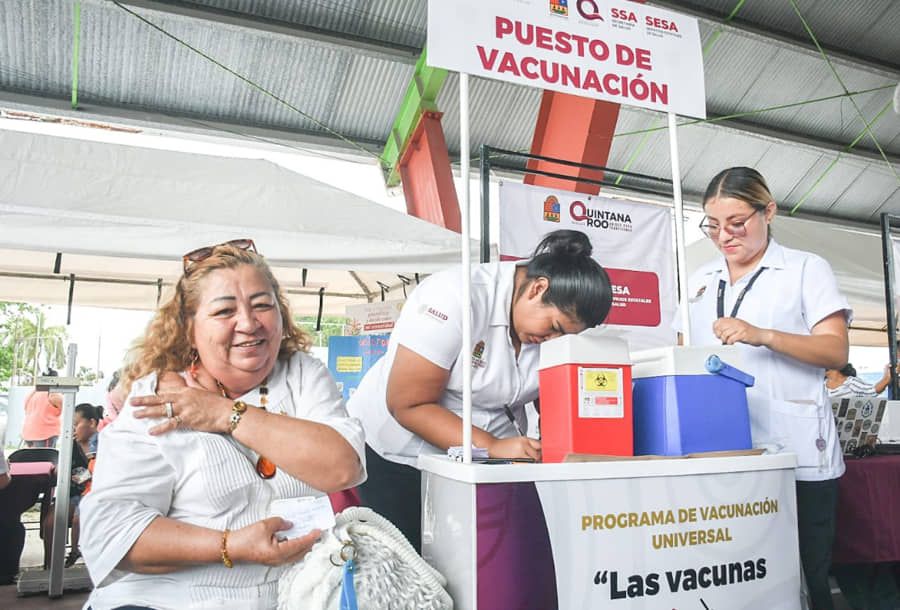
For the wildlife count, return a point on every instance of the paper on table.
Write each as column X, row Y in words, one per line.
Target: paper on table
column 456, row 453
column 305, row 514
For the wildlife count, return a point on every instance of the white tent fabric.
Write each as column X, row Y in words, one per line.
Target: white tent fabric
column 128, row 283
column 125, row 215
column 128, row 213
column 854, row 254
column 76, row 196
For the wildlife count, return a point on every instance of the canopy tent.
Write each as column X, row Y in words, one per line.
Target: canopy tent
column 854, row 255
column 126, row 215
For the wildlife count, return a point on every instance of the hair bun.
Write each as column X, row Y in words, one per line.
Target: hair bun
column 565, row 242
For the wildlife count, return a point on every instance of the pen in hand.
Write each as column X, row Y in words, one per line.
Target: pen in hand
column 512, row 419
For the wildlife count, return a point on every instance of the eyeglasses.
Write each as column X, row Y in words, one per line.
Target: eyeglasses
column 201, row 254
column 735, row 228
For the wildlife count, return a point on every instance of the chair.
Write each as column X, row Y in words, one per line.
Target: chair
column 34, row 454
column 37, row 454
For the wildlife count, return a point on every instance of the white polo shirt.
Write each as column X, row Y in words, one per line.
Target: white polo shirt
column 430, row 324
column 788, row 408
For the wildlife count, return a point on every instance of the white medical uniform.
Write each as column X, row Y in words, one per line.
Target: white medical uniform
column 788, row 408
column 199, row 478
column 430, row 324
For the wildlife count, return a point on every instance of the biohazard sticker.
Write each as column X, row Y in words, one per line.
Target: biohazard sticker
column 600, row 393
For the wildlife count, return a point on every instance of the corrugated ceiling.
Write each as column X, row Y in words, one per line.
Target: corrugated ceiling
column 344, row 66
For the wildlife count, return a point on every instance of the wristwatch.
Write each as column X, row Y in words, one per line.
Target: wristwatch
column 237, row 411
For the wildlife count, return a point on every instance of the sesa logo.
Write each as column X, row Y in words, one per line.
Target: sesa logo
column 589, row 9
column 551, row 209
column 599, row 219
column 559, row 7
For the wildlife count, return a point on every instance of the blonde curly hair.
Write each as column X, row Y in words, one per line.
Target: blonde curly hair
column 166, row 346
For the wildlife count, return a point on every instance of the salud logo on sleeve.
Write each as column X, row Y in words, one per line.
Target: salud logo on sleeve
column 434, row 313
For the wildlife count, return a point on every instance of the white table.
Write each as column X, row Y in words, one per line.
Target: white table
column 636, row 534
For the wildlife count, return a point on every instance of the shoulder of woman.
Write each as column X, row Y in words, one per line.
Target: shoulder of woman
column 792, row 255
column 144, row 386
column 304, row 364
column 703, row 273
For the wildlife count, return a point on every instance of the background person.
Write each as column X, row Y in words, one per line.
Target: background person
column 115, row 400
column 882, row 384
column 86, row 422
column 410, row 402
column 866, row 586
column 844, row 382
column 42, row 409
column 179, row 511
column 783, row 308
column 77, row 482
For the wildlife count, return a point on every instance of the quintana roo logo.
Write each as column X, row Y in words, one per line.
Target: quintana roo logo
column 551, row 209
column 559, row 7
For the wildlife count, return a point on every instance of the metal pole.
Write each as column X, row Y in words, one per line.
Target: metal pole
column 680, row 247
column 67, row 387
column 465, row 352
column 887, row 251
column 37, row 344
column 485, row 165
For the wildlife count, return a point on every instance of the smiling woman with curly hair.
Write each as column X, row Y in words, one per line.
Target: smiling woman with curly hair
column 226, row 413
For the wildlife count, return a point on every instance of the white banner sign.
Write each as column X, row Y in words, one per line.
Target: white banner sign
column 715, row 541
column 633, row 242
column 373, row 318
column 623, row 52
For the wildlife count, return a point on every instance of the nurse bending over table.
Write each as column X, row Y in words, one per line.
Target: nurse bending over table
column 784, row 309
column 410, row 402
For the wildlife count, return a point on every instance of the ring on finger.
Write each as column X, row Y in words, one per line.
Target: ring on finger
column 170, row 410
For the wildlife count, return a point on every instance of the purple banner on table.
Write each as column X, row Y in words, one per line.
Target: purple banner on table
column 515, row 559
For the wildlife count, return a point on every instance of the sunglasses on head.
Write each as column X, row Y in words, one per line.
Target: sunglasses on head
column 200, row 254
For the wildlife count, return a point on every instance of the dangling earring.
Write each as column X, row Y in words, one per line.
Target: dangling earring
column 195, row 357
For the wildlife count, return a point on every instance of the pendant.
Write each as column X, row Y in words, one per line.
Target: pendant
column 265, row 468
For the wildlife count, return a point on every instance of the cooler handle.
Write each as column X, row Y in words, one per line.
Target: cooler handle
column 715, row 366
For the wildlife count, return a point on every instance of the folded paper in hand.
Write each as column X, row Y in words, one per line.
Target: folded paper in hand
column 305, row 514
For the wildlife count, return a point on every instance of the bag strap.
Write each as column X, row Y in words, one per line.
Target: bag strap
column 348, row 591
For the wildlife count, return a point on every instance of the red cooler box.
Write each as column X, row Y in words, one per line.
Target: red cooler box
column 585, row 392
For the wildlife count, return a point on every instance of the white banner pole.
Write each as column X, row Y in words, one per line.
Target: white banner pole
column 465, row 351
column 680, row 247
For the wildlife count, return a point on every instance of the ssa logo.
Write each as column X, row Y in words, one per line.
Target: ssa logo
column 600, row 219
column 551, row 209
column 559, row 7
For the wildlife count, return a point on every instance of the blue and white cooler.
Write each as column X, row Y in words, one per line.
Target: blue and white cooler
column 690, row 400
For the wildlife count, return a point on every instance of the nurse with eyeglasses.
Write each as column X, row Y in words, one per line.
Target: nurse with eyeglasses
column 784, row 309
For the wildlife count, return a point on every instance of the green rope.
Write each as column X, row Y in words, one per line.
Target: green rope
column 831, row 166
column 246, row 80
column 837, row 76
column 656, row 125
column 637, row 151
column 76, row 45
column 738, row 115
column 715, row 36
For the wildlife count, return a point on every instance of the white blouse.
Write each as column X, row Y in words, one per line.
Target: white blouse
column 430, row 325
column 200, row 478
column 789, row 411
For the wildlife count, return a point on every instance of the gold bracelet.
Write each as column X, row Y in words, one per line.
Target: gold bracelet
column 225, row 558
column 237, row 411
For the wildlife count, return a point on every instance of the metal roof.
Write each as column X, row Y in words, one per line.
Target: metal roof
column 341, row 68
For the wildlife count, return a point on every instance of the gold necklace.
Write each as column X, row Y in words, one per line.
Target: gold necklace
column 265, row 467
